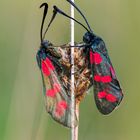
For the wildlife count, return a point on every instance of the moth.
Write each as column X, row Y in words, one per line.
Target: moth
column 107, row 91
column 57, row 101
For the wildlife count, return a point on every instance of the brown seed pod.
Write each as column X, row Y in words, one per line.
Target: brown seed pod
column 82, row 71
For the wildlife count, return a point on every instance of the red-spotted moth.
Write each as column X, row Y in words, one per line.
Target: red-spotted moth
column 57, row 101
column 107, row 91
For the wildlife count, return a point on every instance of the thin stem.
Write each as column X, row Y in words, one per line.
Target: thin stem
column 72, row 78
column 76, row 128
column 74, row 131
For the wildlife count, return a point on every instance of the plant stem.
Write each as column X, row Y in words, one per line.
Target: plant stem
column 74, row 130
column 77, row 127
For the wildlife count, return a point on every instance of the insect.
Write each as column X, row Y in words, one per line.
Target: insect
column 107, row 91
column 57, row 101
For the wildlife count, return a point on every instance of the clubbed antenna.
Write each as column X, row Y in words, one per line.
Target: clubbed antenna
column 80, row 13
column 56, row 9
column 53, row 16
column 45, row 5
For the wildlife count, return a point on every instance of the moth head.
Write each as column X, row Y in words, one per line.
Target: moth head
column 88, row 37
column 43, row 49
column 45, row 44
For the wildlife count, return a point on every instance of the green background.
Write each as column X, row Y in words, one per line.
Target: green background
column 22, row 111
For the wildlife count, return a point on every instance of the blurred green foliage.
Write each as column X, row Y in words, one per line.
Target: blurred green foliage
column 22, row 111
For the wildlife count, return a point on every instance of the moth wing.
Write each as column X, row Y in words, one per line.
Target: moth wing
column 56, row 99
column 107, row 91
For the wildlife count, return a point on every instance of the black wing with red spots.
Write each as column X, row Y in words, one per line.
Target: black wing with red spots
column 107, row 91
column 56, row 99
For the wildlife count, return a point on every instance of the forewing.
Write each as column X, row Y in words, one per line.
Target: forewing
column 56, row 99
column 107, row 91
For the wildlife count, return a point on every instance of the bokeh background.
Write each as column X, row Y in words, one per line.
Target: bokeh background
column 22, row 111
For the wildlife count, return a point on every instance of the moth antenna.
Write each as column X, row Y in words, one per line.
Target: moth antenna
column 45, row 5
column 53, row 16
column 80, row 13
column 56, row 9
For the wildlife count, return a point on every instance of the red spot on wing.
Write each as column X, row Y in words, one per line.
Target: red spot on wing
column 47, row 66
column 97, row 58
column 106, row 79
column 103, row 79
column 102, row 94
column 51, row 93
column 60, row 108
column 49, row 63
column 111, row 98
column 97, row 78
column 45, row 69
column 62, row 104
